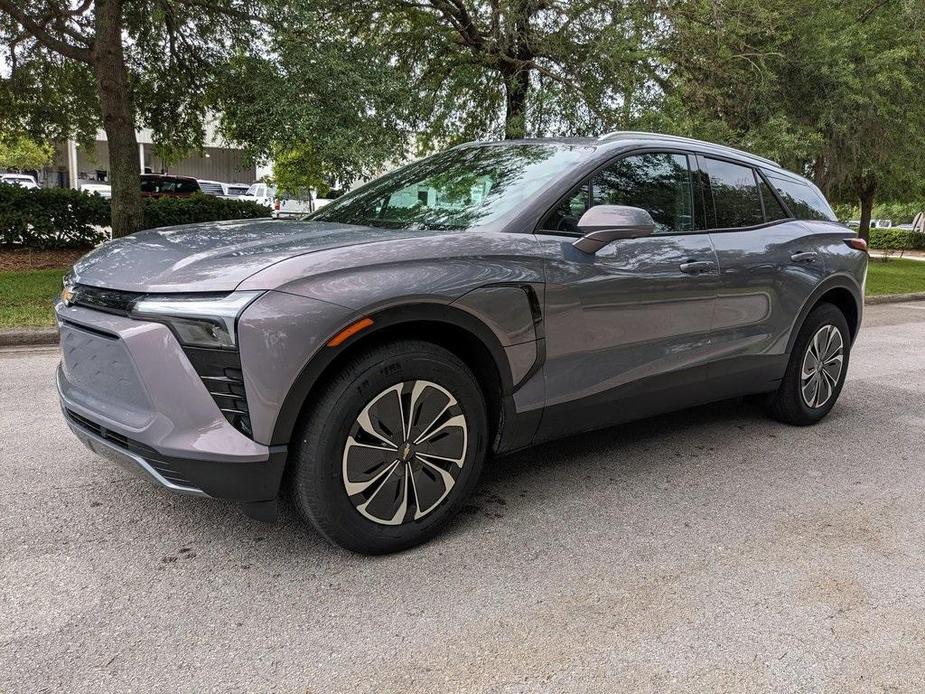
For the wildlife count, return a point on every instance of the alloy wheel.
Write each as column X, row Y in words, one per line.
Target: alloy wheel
column 822, row 366
column 404, row 452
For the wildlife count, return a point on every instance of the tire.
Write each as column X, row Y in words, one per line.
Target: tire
column 796, row 401
column 347, row 480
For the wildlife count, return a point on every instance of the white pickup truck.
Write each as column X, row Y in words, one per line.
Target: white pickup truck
column 21, row 180
column 284, row 205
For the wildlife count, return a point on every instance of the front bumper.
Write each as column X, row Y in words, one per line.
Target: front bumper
column 244, row 482
column 129, row 393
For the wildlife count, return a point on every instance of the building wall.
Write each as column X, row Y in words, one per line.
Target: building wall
column 215, row 163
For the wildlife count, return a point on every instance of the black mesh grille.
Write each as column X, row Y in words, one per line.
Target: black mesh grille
column 220, row 371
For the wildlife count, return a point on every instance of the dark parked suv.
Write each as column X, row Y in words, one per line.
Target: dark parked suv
column 167, row 186
column 368, row 360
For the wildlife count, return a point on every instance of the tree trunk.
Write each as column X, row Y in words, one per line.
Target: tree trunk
column 516, row 84
column 118, row 111
column 866, row 194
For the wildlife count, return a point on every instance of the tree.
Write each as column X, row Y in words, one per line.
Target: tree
column 518, row 67
column 831, row 90
column 347, row 85
column 119, row 64
column 319, row 101
column 24, row 154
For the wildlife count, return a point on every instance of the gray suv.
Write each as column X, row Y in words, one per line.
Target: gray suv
column 367, row 360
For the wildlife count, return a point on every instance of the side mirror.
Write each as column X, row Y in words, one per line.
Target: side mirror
column 602, row 224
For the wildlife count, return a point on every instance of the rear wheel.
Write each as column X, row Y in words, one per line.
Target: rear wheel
column 391, row 448
column 817, row 368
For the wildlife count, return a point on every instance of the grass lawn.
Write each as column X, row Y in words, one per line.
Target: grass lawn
column 896, row 276
column 26, row 297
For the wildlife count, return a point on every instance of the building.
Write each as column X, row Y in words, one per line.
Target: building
column 218, row 161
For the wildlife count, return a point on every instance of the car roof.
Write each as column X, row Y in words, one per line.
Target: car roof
column 621, row 138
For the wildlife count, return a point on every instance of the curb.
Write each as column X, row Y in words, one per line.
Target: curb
column 28, row 337
column 894, row 298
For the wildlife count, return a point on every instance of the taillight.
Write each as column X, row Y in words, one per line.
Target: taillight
column 857, row 244
column 276, row 204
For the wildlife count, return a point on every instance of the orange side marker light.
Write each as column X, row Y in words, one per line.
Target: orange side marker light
column 350, row 331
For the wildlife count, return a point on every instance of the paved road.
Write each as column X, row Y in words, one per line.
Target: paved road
column 704, row 550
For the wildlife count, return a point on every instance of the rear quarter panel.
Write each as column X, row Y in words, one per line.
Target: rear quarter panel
column 764, row 291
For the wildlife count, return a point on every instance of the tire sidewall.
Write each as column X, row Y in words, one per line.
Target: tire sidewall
column 319, row 477
column 825, row 314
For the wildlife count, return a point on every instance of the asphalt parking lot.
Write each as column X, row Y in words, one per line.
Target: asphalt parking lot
column 709, row 549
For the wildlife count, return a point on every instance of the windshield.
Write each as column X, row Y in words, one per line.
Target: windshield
column 256, row 190
column 457, row 189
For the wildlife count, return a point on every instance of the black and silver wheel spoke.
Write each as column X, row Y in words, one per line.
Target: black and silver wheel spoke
column 822, row 366
column 404, row 452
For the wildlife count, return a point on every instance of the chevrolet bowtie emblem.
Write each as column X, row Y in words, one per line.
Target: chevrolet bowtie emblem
column 67, row 295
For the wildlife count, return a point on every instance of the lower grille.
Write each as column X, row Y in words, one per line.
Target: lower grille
column 163, row 466
column 111, row 436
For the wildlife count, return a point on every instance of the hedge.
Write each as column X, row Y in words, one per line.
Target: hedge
column 897, row 239
column 165, row 212
column 51, row 218
column 47, row 218
column 899, row 212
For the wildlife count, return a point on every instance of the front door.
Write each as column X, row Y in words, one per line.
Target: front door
column 627, row 329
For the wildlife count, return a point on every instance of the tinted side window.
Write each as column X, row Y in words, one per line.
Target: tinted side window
column 187, row 186
column 772, row 209
column 659, row 183
column 736, row 200
column 148, row 185
column 804, row 201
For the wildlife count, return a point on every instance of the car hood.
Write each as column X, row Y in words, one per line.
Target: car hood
column 216, row 256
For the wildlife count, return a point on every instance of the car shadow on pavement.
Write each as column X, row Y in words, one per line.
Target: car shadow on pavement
column 630, row 450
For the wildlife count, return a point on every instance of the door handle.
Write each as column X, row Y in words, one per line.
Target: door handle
column 804, row 257
column 695, row 267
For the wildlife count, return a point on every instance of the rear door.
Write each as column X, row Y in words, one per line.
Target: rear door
column 769, row 264
column 627, row 329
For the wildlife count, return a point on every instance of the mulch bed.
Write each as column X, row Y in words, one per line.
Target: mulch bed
column 30, row 259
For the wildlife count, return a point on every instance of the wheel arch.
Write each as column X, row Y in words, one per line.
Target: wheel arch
column 841, row 291
column 450, row 327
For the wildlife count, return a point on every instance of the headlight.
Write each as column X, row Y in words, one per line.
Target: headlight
column 203, row 320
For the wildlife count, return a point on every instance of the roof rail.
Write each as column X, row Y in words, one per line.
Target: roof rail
column 629, row 134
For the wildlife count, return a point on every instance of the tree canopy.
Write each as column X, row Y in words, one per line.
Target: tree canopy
column 24, row 154
column 338, row 89
column 831, row 90
column 345, row 86
column 119, row 65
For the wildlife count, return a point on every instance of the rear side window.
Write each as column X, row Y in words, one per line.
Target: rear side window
column 736, row 200
column 187, row 186
column 659, row 183
column 148, row 185
column 772, row 209
column 804, row 201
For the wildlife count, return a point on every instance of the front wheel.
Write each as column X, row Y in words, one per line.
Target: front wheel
column 391, row 448
column 817, row 368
